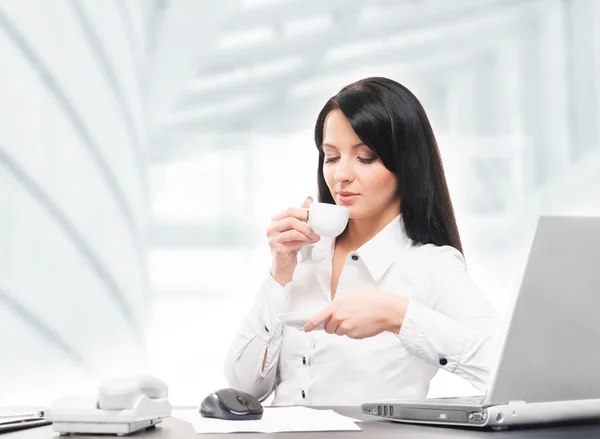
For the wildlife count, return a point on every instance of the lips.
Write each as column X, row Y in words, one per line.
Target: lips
column 345, row 197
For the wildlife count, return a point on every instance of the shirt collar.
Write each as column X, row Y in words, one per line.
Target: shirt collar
column 378, row 254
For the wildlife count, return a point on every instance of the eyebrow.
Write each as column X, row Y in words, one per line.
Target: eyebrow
column 353, row 146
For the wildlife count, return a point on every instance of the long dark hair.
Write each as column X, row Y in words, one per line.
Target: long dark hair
column 391, row 121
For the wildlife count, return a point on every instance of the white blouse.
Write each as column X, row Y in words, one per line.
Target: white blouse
column 449, row 324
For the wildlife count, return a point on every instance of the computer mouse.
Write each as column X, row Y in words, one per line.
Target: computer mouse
column 232, row 405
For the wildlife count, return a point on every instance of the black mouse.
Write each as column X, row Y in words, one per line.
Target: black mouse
column 232, row 405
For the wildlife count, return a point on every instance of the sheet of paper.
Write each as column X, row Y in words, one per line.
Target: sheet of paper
column 275, row 419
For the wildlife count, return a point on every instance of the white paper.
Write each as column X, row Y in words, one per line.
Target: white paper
column 275, row 419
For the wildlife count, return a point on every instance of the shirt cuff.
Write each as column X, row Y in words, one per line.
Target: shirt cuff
column 277, row 299
column 433, row 337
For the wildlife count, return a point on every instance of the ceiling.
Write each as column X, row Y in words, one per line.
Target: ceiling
column 230, row 68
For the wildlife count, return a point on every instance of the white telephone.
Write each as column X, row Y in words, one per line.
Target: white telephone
column 122, row 406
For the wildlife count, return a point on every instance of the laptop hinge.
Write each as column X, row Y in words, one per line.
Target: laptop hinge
column 516, row 402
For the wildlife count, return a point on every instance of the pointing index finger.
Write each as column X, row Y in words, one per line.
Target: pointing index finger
column 321, row 317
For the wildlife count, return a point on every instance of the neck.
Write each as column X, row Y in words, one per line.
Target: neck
column 361, row 230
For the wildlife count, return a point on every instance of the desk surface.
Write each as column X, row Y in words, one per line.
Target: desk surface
column 371, row 428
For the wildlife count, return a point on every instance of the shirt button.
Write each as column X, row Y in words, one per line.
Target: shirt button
column 443, row 361
column 354, row 257
column 266, row 329
column 303, row 394
column 303, row 360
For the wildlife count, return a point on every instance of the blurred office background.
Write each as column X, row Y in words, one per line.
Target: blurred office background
column 144, row 145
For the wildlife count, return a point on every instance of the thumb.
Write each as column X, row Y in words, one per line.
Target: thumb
column 307, row 202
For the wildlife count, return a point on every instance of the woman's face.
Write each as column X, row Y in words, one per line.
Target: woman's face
column 355, row 175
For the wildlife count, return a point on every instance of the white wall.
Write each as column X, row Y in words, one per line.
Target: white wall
column 73, row 277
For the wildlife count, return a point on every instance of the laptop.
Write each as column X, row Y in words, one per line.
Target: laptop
column 547, row 370
column 13, row 421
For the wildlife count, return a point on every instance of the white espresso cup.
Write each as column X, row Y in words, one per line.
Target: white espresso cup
column 327, row 220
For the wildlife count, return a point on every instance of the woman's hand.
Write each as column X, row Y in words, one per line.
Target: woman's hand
column 362, row 314
column 287, row 234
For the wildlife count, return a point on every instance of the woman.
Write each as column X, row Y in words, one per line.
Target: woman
column 392, row 289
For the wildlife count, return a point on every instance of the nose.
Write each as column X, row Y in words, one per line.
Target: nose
column 344, row 171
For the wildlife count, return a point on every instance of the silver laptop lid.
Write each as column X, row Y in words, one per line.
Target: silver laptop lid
column 552, row 346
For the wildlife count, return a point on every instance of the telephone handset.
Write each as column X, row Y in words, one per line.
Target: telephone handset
column 122, row 393
column 122, row 406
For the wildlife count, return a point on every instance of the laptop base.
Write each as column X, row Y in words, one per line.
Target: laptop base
column 496, row 416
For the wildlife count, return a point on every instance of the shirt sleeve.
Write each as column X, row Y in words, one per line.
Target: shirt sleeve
column 455, row 328
column 260, row 330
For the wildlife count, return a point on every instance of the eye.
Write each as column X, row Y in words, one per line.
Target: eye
column 330, row 159
column 368, row 160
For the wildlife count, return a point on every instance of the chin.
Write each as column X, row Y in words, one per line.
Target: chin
column 356, row 212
